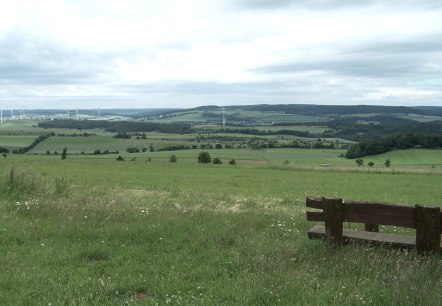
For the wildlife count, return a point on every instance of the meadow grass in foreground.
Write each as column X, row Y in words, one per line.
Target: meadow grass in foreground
column 102, row 232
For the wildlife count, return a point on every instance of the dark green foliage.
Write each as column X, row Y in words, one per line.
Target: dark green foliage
column 218, row 146
column 4, row 155
column 204, row 158
column 64, row 153
column 172, row 158
column 122, row 135
column 217, row 160
column 120, row 158
column 360, row 162
column 4, row 150
column 370, row 164
column 174, row 148
column 132, row 150
column 32, row 145
column 118, row 126
column 48, row 152
column 232, row 162
column 399, row 142
column 387, row 163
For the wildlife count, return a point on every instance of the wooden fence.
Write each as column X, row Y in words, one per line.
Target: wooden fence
column 426, row 220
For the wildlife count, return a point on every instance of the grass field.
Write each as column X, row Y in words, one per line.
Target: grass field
column 95, row 231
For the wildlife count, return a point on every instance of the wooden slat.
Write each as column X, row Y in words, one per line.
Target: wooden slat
column 380, row 213
column 313, row 202
column 315, row 216
column 362, row 236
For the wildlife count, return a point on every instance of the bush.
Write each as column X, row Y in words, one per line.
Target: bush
column 120, row 158
column 204, row 158
column 218, row 146
column 172, row 158
column 370, row 164
column 132, row 150
column 387, row 163
column 64, row 153
column 216, row 160
column 232, row 162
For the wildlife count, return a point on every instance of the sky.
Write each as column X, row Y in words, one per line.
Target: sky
column 187, row 53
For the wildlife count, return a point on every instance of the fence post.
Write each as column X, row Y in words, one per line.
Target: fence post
column 333, row 214
column 427, row 229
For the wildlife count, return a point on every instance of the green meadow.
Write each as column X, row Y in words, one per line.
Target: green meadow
column 91, row 230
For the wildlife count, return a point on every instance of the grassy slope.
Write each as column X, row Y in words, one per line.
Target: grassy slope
column 409, row 158
column 155, row 232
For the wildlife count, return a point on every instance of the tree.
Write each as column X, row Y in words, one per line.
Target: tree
column 370, row 164
column 218, row 146
column 64, row 153
column 216, row 160
column 232, row 162
column 172, row 158
column 360, row 162
column 204, row 158
column 387, row 163
column 120, row 158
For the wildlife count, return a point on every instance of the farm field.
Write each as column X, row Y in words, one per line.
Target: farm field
column 90, row 230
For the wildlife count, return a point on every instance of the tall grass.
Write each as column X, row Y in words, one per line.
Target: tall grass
column 180, row 234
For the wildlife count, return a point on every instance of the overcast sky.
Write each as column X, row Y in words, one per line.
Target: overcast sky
column 185, row 53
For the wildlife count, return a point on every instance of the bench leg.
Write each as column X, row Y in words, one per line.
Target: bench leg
column 333, row 214
column 427, row 229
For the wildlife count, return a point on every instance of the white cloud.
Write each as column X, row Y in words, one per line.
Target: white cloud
column 330, row 55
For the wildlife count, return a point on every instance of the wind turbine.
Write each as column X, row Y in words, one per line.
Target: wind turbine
column 76, row 111
column 12, row 114
column 1, row 112
column 68, row 113
column 224, row 116
column 98, row 110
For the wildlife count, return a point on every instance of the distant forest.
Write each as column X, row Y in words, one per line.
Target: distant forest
column 118, row 126
column 398, row 142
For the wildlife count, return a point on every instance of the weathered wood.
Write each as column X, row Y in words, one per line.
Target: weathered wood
column 380, row 213
column 371, row 227
column 313, row 202
column 315, row 216
column 350, row 235
column 333, row 214
column 426, row 220
column 427, row 229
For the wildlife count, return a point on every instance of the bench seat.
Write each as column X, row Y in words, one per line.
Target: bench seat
column 403, row 241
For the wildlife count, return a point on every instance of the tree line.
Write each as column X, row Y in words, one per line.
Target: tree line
column 118, row 126
column 398, row 142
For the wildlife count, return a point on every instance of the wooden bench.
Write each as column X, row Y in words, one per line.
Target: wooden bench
column 426, row 220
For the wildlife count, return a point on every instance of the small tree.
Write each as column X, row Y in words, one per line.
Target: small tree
column 204, row 158
column 120, row 158
column 232, row 162
column 64, row 153
column 387, row 163
column 360, row 162
column 218, row 146
column 216, row 160
column 172, row 158
column 370, row 164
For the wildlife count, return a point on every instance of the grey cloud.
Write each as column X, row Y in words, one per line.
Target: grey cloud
column 337, row 4
column 27, row 61
column 377, row 60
